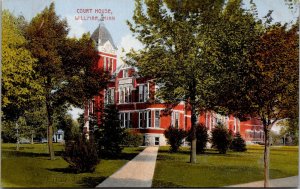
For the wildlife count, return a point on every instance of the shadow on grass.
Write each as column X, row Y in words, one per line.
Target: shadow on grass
column 164, row 184
column 124, row 155
column 210, row 152
column 30, row 154
column 14, row 148
column 63, row 170
column 91, row 182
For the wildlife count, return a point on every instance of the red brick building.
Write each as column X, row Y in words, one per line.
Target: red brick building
column 139, row 108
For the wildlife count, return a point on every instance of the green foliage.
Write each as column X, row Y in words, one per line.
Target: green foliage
column 202, row 138
column 173, row 34
column 35, row 118
column 81, row 155
column 110, row 135
column 238, row 143
column 9, row 130
column 289, row 129
column 221, row 138
column 66, row 67
column 132, row 138
column 175, row 138
column 19, row 85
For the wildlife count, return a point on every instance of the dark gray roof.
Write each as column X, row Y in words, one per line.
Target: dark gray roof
column 102, row 33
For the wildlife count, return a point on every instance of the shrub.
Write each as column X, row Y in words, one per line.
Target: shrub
column 202, row 137
column 175, row 138
column 132, row 138
column 110, row 135
column 81, row 155
column 238, row 143
column 221, row 139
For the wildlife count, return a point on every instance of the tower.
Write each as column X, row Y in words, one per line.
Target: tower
column 107, row 61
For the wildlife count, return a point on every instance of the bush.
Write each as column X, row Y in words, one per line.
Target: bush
column 81, row 155
column 238, row 143
column 221, row 139
column 110, row 136
column 175, row 138
column 132, row 138
column 202, row 137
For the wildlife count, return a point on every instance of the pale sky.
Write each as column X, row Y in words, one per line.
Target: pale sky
column 121, row 10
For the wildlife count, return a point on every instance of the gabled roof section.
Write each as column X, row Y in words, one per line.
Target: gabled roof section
column 101, row 35
column 123, row 66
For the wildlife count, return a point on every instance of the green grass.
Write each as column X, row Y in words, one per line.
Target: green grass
column 215, row 170
column 31, row 167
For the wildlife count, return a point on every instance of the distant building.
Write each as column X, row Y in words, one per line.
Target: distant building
column 141, row 110
column 59, row 136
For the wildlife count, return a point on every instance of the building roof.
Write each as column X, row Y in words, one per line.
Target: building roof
column 103, row 34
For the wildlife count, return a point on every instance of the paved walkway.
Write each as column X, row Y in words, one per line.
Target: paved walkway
column 282, row 182
column 136, row 173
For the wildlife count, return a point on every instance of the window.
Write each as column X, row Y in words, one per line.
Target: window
column 121, row 95
column 149, row 119
column 144, row 119
column 127, row 95
column 110, row 65
column 112, row 96
column 128, row 121
column 141, row 87
column 122, row 120
column 109, row 96
column 125, row 120
column 157, row 119
column 156, row 140
column 145, row 93
column 175, row 119
column 104, row 63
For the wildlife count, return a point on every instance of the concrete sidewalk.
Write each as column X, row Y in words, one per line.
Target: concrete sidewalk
column 136, row 173
column 282, row 182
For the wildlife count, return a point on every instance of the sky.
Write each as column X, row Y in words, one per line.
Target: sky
column 115, row 22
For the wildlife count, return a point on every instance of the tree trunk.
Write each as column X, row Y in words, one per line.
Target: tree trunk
column 31, row 138
column 50, row 129
column 266, row 155
column 193, row 157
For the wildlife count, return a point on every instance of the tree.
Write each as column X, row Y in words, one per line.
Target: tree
column 110, row 135
column 202, row 138
column 238, row 143
column 19, row 84
column 276, row 94
column 265, row 83
column 66, row 67
column 175, row 138
column 81, row 155
column 176, row 38
column 221, row 138
column 132, row 138
column 290, row 128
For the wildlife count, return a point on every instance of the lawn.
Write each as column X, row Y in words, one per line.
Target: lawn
column 215, row 170
column 31, row 167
